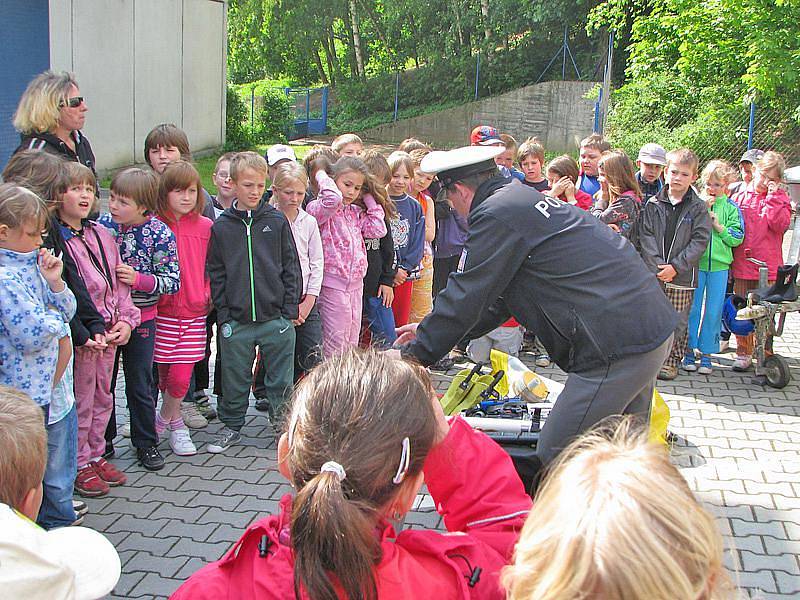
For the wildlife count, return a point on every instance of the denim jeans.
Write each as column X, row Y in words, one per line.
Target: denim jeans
column 381, row 322
column 59, row 475
column 137, row 364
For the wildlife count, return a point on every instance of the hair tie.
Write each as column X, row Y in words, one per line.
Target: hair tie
column 334, row 467
column 405, row 462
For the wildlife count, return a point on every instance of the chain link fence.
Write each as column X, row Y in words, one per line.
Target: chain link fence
column 717, row 131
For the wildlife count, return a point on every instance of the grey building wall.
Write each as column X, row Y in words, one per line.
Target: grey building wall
column 555, row 111
column 140, row 63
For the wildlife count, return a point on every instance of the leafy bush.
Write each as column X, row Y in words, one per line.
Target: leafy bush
column 237, row 131
column 274, row 117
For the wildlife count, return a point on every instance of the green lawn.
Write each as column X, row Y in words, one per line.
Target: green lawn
column 205, row 166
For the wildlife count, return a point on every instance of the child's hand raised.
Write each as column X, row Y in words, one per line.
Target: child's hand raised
column 126, row 274
column 50, row 266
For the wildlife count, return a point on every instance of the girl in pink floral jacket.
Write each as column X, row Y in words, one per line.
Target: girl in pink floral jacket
column 348, row 207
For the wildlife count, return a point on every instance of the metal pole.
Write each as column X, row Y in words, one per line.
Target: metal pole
column 477, row 73
column 252, row 107
column 396, row 94
column 564, row 60
column 607, row 83
column 752, row 126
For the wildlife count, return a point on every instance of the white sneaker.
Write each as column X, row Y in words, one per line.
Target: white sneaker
column 192, row 417
column 181, row 442
column 125, row 429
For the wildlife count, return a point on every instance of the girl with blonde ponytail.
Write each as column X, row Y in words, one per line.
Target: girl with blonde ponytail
column 363, row 432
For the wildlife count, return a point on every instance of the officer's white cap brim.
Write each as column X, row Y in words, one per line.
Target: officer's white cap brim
column 438, row 161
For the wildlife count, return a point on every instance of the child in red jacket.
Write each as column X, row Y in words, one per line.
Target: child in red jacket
column 364, row 432
column 766, row 211
column 181, row 318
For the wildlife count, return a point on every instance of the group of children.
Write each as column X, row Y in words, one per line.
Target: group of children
column 698, row 243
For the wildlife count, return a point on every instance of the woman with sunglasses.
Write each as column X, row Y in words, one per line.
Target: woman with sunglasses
column 50, row 116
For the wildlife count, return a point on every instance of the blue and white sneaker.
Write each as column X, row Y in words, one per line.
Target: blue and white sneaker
column 705, row 365
column 689, row 364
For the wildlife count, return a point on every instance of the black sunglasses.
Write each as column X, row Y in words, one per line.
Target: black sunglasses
column 73, row 102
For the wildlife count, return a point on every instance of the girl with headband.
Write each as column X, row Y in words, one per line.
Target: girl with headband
column 364, row 431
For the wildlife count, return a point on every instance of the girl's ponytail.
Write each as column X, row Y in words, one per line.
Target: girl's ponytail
column 331, row 534
column 360, row 428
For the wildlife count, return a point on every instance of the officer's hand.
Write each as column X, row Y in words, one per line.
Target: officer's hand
column 406, row 334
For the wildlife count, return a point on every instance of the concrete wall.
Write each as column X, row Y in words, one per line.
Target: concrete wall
column 555, row 111
column 140, row 63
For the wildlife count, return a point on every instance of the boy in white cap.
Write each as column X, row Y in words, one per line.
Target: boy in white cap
column 276, row 156
column 69, row 562
column 651, row 162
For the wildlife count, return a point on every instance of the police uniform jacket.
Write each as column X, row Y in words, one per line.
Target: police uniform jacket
column 581, row 287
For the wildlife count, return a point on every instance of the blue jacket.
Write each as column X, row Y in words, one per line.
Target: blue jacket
column 408, row 233
column 32, row 320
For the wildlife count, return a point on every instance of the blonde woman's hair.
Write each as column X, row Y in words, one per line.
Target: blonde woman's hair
column 289, row 172
column 616, row 520
column 619, row 173
column 20, row 206
column 772, row 163
column 23, row 446
column 40, row 106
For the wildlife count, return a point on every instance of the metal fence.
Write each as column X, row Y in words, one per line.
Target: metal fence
column 724, row 132
column 309, row 108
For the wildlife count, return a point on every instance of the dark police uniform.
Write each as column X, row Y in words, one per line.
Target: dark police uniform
column 581, row 287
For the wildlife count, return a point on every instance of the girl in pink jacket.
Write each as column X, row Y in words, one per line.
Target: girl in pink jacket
column 181, row 318
column 348, row 208
column 766, row 212
column 97, row 257
column 364, row 431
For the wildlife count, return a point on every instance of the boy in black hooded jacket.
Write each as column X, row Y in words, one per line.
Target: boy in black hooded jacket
column 256, row 284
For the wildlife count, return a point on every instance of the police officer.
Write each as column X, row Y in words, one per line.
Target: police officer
column 581, row 287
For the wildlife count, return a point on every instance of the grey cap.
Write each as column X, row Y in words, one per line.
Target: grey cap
column 752, row 156
column 652, row 154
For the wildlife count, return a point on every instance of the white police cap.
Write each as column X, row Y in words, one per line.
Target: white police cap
column 455, row 165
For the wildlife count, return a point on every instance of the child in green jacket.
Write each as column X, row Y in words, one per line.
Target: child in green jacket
column 727, row 232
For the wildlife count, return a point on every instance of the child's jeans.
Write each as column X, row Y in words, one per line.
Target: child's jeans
column 381, row 322
column 94, row 400
column 340, row 311
column 709, row 298
column 275, row 338
column 59, row 475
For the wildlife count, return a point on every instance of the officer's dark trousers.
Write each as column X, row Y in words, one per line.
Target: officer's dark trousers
column 623, row 387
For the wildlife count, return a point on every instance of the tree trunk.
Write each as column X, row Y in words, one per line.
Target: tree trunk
column 459, row 29
column 352, row 61
column 356, row 38
column 329, row 56
column 487, row 31
column 318, row 63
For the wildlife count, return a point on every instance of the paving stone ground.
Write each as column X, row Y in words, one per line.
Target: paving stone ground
column 738, row 445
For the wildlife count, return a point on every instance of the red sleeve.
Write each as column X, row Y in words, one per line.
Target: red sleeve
column 475, row 486
column 583, row 200
column 778, row 211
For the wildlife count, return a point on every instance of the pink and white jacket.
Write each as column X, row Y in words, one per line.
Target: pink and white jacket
column 343, row 229
column 766, row 218
column 96, row 255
